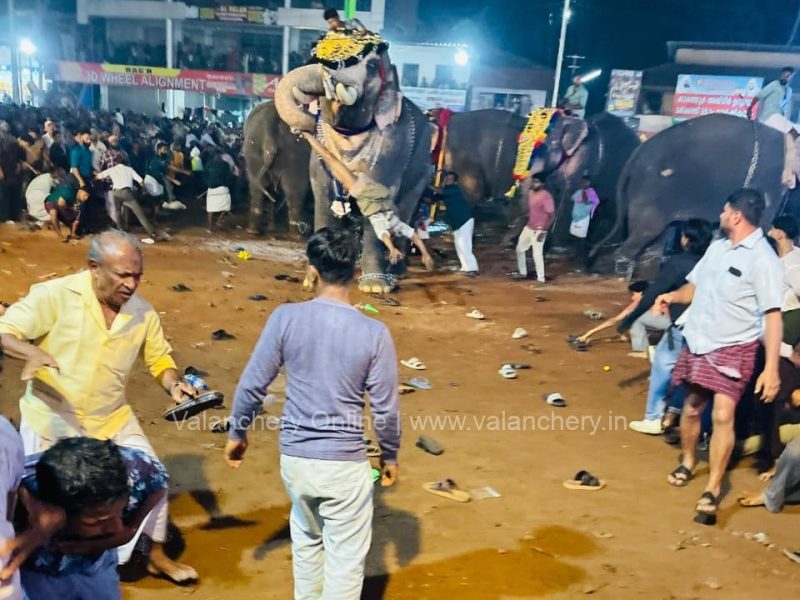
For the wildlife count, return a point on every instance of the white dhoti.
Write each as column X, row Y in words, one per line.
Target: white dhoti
column 35, row 201
column 218, row 199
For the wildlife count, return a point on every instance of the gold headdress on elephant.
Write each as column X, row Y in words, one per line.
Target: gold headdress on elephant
column 346, row 47
column 540, row 121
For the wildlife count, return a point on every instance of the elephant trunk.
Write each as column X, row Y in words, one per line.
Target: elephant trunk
column 299, row 86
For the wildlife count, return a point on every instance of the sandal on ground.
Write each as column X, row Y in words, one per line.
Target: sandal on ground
column 584, row 480
column 476, row 314
column 404, row 389
column 181, row 288
column 793, row 555
column 447, row 489
column 429, row 445
column 519, row 333
column 519, row 366
column 507, row 372
column 420, row 383
column 680, row 477
column 414, row 363
column 706, row 509
column 554, row 399
column 285, row 277
column 221, row 335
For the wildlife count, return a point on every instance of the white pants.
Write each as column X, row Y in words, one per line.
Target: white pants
column 331, row 526
column 131, row 435
column 463, row 240
column 529, row 238
column 35, row 201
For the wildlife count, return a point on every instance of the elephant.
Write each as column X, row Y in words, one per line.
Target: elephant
column 597, row 147
column 481, row 146
column 363, row 118
column 688, row 171
column 277, row 169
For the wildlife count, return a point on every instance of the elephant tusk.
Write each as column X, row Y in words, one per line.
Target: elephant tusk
column 346, row 94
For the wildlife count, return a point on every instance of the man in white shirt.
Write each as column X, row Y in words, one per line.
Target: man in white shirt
column 49, row 130
column 37, row 192
column 736, row 293
column 122, row 185
column 97, row 148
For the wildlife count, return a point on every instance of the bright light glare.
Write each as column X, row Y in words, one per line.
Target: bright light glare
column 568, row 14
column 591, row 75
column 27, row 47
column 461, row 57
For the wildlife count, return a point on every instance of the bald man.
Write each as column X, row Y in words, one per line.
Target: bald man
column 80, row 336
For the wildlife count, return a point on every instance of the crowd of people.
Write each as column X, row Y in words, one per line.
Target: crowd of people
column 88, row 170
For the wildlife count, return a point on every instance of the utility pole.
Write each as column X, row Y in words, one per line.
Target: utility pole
column 16, row 92
column 170, row 103
column 560, row 60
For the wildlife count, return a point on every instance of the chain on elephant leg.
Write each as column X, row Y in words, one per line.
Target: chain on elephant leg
column 303, row 228
column 376, row 283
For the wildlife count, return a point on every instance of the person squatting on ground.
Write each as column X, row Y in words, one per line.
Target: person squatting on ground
column 323, row 457
column 88, row 330
column 695, row 237
column 375, row 203
column 735, row 292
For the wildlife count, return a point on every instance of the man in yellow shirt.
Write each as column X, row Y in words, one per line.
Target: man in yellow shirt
column 86, row 332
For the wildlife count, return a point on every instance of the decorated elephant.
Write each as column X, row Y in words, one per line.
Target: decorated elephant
column 349, row 96
column 597, row 147
column 481, row 146
column 277, row 172
column 688, row 171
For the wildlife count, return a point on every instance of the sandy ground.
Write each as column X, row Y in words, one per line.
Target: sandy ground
column 634, row 539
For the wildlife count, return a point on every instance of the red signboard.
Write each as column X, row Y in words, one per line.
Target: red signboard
column 186, row 80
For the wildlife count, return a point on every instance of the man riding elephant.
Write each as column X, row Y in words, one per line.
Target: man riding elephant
column 349, row 97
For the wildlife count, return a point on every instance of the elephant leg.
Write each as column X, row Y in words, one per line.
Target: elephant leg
column 256, row 215
column 374, row 277
column 641, row 235
column 299, row 223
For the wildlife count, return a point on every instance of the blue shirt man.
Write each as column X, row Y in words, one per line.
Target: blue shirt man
column 80, row 158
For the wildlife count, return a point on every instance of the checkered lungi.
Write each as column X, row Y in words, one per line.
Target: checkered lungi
column 723, row 371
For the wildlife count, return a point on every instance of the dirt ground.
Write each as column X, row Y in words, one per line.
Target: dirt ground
column 634, row 539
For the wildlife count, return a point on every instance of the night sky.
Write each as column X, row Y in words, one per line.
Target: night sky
column 624, row 34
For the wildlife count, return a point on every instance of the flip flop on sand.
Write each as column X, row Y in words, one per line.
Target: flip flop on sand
column 584, row 480
column 519, row 366
column 404, row 389
column 447, row 489
column 257, row 298
column 476, row 314
column 577, row 344
column 390, row 302
column 414, row 363
column 507, row 372
column 221, row 334
column 519, row 333
column 420, row 383
column 792, row 555
column 555, row 399
column 179, row 287
column 285, row 277
column 429, row 445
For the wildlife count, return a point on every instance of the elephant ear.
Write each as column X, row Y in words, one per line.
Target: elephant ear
column 390, row 102
column 573, row 134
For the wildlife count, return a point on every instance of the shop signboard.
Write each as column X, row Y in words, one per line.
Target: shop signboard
column 697, row 95
column 623, row 92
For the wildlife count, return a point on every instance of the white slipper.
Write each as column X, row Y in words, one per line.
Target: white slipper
column 476, row 314
column 414, row 363
column 507, row 372
column 519, row 333
column 148, row 240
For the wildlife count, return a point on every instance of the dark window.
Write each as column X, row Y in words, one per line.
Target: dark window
column 444, row 76
column 410, row 75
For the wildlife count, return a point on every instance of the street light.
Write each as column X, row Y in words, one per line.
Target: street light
column 27, row 47
column 591, row 75
column 461, row 57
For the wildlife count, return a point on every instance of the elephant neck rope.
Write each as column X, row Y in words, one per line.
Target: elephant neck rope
column 368, row 152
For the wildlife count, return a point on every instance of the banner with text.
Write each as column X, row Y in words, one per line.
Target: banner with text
column 623, row 92
column 430, row 98
column 185, row 80
column 236, row 14
column 697, row 95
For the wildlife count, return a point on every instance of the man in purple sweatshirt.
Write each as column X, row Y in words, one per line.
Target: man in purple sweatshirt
column 333, row 355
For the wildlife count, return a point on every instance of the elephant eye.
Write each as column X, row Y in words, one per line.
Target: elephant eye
column 372, row 66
